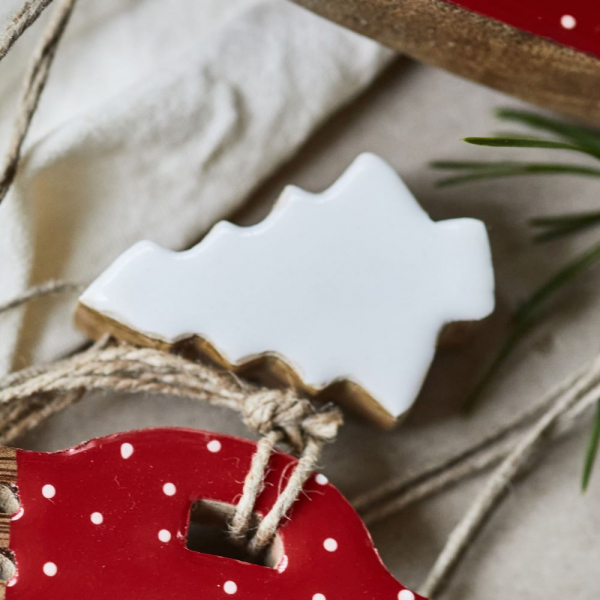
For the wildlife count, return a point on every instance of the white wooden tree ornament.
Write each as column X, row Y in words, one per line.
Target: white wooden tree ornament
column 346, row 290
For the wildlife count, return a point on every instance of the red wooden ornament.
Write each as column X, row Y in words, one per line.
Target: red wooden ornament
column 109, row 519
column 575, row 23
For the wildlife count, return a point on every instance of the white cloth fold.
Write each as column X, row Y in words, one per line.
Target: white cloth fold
column 163, row 145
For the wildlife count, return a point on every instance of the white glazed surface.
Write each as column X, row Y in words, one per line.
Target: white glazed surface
column 353, row 283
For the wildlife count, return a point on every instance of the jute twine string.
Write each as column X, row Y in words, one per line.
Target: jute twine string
column 49, row 288
column 253, row 486
column 584, row 393
column 20, row 22
column 397, row 493
column 35, row 78
column 29, row 397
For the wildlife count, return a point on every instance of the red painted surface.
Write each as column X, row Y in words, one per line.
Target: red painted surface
column 545, row 18
column 123, row 557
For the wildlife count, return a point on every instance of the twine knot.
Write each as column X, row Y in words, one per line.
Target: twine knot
column 297, row 419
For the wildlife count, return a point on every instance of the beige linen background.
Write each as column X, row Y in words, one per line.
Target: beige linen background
column 544, row 540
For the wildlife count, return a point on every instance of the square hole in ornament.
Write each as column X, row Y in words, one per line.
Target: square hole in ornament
column 208, row 534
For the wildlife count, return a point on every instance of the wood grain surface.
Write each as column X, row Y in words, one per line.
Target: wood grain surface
column 436, row 32
column 8, row 480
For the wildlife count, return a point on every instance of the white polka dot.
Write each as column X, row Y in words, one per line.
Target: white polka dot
column 406, row 595
column 319, row 597
column 126, row 450
column 330, row 545
column 97, row 518
column 164, row 535
column 230, row 587
column 321, row 479
column 214, row 446
column 568, row 22
column 50, row 569
column 169, row 489
column 18, row 515
column 283, row 563
column 48, row 491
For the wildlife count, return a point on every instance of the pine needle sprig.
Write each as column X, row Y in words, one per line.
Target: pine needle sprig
column 526, row 142
column 582, row 136
column 528, row 314
column 592, row 451
column 550, row 228
column 491, row 170
column 574, row 138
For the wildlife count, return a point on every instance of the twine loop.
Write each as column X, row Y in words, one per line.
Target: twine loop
column 296, row 419
column 280, row 416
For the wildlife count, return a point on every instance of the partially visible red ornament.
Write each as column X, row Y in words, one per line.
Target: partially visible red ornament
column 544, row 51
column 109, row 519
column 575, row 23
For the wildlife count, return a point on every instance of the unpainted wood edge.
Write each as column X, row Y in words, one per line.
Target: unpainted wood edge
column 8, row 477
column 268, row 369
column 445, row 35
column 8, row 465
column 4, row 531
column 458, row 333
